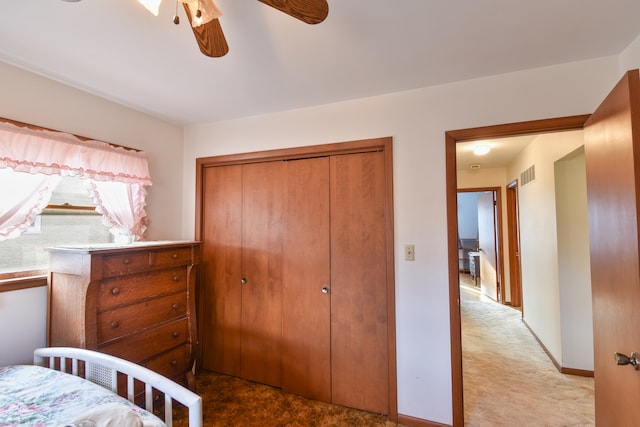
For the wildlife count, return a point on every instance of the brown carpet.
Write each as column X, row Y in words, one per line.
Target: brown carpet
column 508, row 378
column 230, row 401
column 508, row 381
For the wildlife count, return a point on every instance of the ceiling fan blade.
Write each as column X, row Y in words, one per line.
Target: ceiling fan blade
column 209, row 36
column 309, row 11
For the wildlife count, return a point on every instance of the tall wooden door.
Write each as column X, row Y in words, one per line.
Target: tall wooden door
column 489, row 273
column 513, row 226
column 220, row 297
column 359, row 321
column 612, row 159
column 306, row 324
column 263, row 186
column 242, row 253
column 298, row 271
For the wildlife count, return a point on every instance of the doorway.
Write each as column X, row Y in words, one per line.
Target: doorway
column 452, row 138
column 513, row 237
column 480, row 239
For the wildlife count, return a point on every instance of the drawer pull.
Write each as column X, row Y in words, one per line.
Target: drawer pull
column 175, row 278
column 174, row 256
column 175, row 305
column 115, row 291
column 175, row 334
column 174, row 362
column 114, row 324
column 126, row 261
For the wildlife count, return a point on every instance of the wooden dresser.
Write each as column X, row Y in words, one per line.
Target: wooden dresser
column 135, row 301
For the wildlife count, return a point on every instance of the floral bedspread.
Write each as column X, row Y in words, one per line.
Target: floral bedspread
column 37, row 396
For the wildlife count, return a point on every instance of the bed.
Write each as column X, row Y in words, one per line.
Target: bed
column 78, row 387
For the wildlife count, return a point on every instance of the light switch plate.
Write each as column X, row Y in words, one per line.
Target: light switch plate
column 409, row 252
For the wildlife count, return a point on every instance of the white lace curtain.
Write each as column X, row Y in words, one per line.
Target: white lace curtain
column 32, row 162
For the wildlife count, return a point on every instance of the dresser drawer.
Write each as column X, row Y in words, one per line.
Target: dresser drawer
column 128, row 290
column 127, row 263
column 170, row 257
column 137, row 317
column 149, row 343
column 171, row 363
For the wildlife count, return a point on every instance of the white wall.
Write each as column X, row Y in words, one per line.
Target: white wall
column 22, row 324
column 417, row 121
column 468, row 215
column 574, row 266
column 538, row 235
column 29, row 98
column 630, row 57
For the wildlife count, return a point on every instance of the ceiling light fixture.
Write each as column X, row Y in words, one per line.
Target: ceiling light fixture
column 481, row 149
column 202, row 11
column 152, row 6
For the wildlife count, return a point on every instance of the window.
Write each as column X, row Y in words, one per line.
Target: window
column 57, row 189
column 69, row 219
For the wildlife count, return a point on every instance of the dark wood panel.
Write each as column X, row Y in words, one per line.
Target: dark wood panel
column 612, row 153
column 262, row 210
column 359, row 322
column 513, row 234
column 383, row 265
column 220, row 303
column 306, row 352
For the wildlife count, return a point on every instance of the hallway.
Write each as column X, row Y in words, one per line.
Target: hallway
column 508, row 378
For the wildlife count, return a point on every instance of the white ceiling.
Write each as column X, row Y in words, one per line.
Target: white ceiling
column 503, row 151
column 118, row 50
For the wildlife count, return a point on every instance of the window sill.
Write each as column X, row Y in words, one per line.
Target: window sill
column 25, row 280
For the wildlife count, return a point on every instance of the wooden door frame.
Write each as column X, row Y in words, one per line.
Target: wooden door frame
column 513, row 237
column 350, row 147
column 497, row 233
column 451, row 139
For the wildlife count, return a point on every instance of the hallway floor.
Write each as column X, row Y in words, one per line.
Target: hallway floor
column 508, row 378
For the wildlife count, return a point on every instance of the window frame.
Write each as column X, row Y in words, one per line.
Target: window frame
column 25, row 279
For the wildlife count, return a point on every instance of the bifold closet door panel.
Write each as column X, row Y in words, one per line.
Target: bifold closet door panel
column 263, row 187
column 221, row 254
column 306, row 345
column 359, row 335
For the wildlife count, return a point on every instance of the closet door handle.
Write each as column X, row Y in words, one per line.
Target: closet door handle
column 623, row 359
column 243, row 280
column 325, row 290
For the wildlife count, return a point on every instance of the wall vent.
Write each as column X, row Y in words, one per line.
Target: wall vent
column 528, row 175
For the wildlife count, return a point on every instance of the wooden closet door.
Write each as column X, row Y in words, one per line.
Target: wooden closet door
column 263, row 187
column 359, row 324
column 306, row 352
column 220, row 305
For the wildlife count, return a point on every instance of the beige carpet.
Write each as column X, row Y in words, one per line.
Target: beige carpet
column 508, row 378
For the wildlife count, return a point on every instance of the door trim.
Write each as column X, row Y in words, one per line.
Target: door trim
column 384, row 145
column 513, row 237
column 497, row 234
column 452, row 137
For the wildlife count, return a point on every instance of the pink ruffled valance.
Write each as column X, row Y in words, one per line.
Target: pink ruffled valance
column 32, row 161
column 57, row 153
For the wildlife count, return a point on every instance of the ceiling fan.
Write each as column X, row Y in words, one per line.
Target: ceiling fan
column 203, row 16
